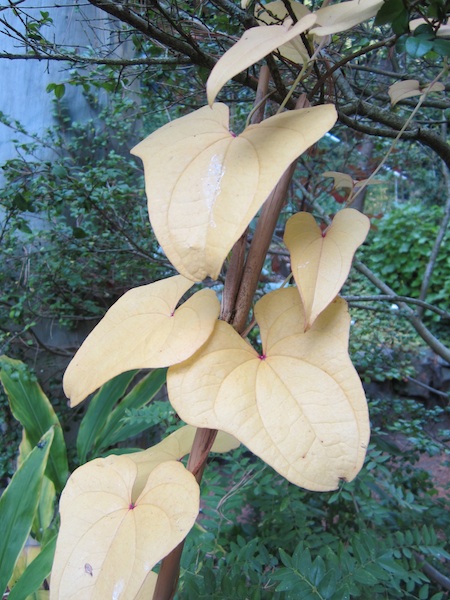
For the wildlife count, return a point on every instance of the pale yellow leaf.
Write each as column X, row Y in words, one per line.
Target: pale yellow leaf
column 411, row 87
column 173, row 447
column 321, row 261
column 143, row 329
column 341, row 180
column 148, row 587
column 255, row 44
column 107, row 545
column 345, row 15
column 299, row 405
column 204, row 185
column 276, row 13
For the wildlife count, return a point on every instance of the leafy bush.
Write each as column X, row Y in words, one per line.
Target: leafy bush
column 399, row 250
column 75, row 231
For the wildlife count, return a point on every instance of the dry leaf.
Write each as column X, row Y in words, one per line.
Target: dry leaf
column 142, row 330
column 275, row 13
column 345, row 15
column 299, row 405
column 107, row 544
column 321, row 261
column 204, row 185
column 341, row 180
column 411, row 87
column 255, row 44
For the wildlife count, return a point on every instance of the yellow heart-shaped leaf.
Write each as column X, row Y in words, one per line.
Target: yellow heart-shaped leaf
column 255, row 44
column 204, row 185
column 108, row 544
column 299, row 404
column 143, row 329
column 321, row 261
column 345, row 15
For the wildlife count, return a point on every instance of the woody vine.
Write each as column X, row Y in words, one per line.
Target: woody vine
column 296, row 401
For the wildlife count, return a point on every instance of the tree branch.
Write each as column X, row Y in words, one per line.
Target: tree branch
column 93, row 60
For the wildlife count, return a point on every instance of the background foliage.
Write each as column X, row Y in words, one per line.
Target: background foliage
column 75, row 236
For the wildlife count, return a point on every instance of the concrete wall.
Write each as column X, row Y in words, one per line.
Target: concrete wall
column 23, row 83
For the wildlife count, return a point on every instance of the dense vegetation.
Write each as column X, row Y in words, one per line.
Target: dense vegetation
column 75, row 236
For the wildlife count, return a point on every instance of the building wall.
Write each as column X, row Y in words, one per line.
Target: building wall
column 23, row 83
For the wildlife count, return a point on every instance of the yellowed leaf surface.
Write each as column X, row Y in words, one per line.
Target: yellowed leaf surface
column 321, row 261
column 411, row 87
column 107, row 545
column 299, row 405
column 345, row 15
column 341, row 180
column 255, row 44
column 143, row 329
column 204, row 185
column 275, row 13
column 174, row 447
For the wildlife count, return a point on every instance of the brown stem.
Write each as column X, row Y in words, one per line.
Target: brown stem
column 169, row 572
column 166, row 585
column 260, row 244
column 259, row 247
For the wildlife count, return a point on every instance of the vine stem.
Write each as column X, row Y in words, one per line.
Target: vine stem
column 166, row 584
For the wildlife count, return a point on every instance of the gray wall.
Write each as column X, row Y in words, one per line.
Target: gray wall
column 23, row 83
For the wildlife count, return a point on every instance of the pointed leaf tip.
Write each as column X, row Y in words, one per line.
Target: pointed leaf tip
column 142, row 330
column 321, row 262
column 204, row 185
column 254, row 45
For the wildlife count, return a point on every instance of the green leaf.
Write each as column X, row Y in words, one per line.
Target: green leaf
column 425, row 31
column 18, row 506
column 363, row 576
column 98, row 412
column 442, row 47
column 142, row 393
column 418, row 46
column 34, row 575
column 31, row 407
column 391, row 9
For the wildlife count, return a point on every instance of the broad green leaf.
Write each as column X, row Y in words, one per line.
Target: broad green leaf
column 443, row 31
column 173, row 447
column 389, row 11
column 99, row 409
column 321, row 261
column 411, row 87
column 299, row 404
column 46, row 509
column 18, row 505
column 108, row 544
column 418, row 46
column 35, row 572
column 345, row 15
column 142, row 330
column 143, row 392
column 255, row 44
column 204, row 185
column 31, row 407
